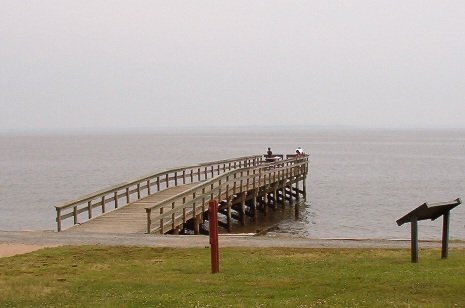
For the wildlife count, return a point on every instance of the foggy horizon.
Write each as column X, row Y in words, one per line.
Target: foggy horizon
column 112, row 66
column 204, row 129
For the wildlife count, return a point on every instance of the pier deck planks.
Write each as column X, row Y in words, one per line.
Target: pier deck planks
column 131, row 218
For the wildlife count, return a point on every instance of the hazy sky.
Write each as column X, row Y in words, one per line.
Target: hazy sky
column 129, row 64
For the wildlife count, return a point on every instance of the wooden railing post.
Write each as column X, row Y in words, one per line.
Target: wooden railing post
column 254, row 180
column 115, row 196
column 254, row 204
column 183, row 210
column 241, row 182
column 203, row 201
column 103, row 204
column 162, row 225
column 227, row 186
column 125, row 190
column 194, row 216
column 75, row 215
column 173, row 217
column 234, row 183
column 89, row 209
column 149, row 220
column 58, row 219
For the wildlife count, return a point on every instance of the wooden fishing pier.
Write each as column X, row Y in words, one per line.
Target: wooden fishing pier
column 176, row 200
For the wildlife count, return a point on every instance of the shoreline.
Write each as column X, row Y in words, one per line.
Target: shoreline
column 19, row 242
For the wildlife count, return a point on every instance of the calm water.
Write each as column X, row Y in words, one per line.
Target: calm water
column 360, row 181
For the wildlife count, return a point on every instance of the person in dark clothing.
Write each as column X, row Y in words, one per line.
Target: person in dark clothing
column 269, row 156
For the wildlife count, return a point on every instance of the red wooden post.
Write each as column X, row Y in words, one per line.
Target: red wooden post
column 213, row 226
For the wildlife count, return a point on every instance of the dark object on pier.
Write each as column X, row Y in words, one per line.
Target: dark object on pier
column 269, row 153
column 429, row 211
column 269, row 157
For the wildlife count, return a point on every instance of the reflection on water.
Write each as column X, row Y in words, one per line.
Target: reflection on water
column 273, row 221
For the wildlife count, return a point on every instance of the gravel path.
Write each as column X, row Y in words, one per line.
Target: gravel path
column 13, row 242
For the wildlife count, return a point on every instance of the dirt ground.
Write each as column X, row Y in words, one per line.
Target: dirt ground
column 8, row 250
column 17, row 242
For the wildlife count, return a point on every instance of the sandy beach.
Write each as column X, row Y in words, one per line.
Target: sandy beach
column 8, row 250
column 18, row 242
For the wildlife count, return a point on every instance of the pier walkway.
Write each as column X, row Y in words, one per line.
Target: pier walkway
column 177, row 199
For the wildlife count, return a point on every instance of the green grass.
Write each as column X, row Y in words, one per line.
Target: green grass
column 136, row 277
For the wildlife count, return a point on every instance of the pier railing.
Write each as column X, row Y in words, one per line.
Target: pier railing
column 178, row 209
column 122, row 194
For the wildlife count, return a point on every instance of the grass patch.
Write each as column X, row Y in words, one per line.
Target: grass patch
column 135, row 277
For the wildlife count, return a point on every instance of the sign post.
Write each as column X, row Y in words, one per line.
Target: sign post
column 213, row 231
column 429, row 211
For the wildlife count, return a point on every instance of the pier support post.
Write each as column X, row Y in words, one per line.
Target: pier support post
column 197, row 225
column 275, row 199
column 242, row 212
column 304, row 188
column 283, row 194
column 254, row 205
column 265, row 203
column 297, row 190
column 229, row 218
column 288, row 193
column 297, row 210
